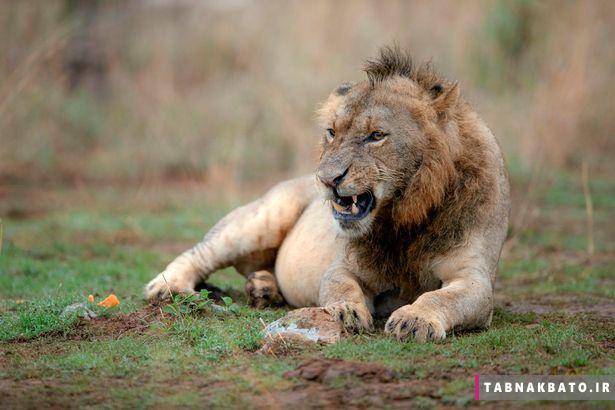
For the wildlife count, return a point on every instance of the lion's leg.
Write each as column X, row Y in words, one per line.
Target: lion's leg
column 343, row 298
column 262, row 290
column 255, row 229
column 465, row 300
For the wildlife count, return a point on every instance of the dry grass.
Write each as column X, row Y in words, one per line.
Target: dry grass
column 224, row 92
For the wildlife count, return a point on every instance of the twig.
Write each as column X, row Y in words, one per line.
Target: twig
column 521, row 218
column 271, row 351
column 589, row 209
column 270, row 336
column 168, row 287
column 179, row 312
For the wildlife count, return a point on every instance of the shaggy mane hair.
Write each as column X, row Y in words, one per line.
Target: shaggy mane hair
column 393, row 62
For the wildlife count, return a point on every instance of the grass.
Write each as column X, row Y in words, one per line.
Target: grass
column 550, row 317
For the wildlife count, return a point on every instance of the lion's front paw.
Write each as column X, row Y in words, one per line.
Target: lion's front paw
column 412, row 322
column 166, row 284
column 354, row 317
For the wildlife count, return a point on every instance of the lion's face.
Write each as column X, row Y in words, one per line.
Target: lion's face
column 371, row 148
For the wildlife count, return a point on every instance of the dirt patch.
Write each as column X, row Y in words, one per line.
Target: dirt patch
column 110, row 327
column 325, row 370
column 116, row 326
column 12, row 353
column 400, row 395
column 16, row 394
column 569, row 304
column 101, row 328
column 55, row 393
column 332, row 383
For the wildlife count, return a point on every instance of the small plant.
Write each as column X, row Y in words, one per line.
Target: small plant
column 188, row 304
column 230, row 305
column 199, row 302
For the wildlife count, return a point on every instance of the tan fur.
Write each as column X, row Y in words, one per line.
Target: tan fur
column 426, row 254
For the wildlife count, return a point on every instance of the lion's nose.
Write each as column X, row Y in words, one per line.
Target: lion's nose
column 331, row 180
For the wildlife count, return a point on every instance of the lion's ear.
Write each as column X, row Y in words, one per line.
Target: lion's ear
column 343, row 89
column 444, row 99
column 327, row 109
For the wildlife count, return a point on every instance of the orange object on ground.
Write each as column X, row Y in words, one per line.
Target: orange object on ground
column 91, row 298
column 110, row 301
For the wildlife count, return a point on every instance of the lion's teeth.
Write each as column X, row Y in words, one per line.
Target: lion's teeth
column 339, row 208
column 354, row 199
column 355, row 209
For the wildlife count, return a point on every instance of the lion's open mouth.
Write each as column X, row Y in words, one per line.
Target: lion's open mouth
column 352, row 207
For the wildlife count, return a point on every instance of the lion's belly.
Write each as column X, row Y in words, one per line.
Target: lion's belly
column 305, row 255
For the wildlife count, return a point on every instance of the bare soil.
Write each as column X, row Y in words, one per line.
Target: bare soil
column 324, row 370
column 598, row 307
column 363, row 385
column 111, row 327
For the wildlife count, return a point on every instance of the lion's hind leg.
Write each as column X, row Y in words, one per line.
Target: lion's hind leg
column 250, row 231
column 262, row 290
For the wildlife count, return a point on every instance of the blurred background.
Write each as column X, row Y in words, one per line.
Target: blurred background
column 218, row 96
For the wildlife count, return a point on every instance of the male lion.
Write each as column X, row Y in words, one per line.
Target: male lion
column 406, row 216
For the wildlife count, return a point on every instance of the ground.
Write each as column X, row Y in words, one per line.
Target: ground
column 555, row 310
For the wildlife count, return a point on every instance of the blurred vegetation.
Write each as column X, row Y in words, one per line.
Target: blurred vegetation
column 510, row 30
column 224, row 92
column 221, row 94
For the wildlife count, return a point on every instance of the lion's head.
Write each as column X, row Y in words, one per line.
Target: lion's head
column 388, row 143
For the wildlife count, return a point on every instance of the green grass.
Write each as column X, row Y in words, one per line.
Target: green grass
column 31, row 319
column 203, row 358
column 509, row 338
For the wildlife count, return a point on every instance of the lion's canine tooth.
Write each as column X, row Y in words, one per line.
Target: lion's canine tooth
column 354, row 199
column 338, row 207
column 355, row 210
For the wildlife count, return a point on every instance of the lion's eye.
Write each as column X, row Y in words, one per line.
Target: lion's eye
column 330, row 133
column 376, row 136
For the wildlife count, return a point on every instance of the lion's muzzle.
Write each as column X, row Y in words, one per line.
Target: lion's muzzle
column 350, row 203
column 352, row 208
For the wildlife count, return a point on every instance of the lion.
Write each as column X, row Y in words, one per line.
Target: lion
column 404, row 218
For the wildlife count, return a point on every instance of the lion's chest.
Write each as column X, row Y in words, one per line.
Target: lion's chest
column 305, row 255
column 393, row 275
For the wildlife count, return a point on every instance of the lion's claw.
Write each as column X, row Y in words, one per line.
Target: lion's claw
column 409, row 322
column 354, row 317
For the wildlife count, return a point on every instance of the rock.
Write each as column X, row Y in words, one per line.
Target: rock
column 81, row 309
column 313, row 325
